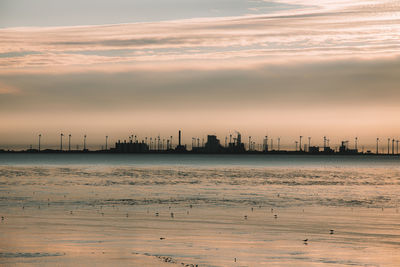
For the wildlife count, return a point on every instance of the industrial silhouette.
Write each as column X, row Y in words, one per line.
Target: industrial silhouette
column 213, row 146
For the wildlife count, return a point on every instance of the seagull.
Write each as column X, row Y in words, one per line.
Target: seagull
column 245, row 217
column 162, row 238
column 305, row 240
column 331, row 232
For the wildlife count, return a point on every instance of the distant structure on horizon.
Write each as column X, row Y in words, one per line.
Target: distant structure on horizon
column 213, row 146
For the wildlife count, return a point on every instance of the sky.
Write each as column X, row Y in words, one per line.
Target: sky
column 280, row 68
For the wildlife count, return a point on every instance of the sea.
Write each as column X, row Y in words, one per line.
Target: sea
column 89, row 209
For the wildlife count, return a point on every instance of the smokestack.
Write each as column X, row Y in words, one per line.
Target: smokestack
column 179, row 137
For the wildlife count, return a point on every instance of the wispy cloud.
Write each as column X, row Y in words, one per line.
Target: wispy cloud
column 322, row 29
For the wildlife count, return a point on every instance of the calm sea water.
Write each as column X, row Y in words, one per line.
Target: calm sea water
column 200, row 160
column 205, row 210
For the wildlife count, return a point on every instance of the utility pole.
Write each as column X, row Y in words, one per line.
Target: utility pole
column 388, row 151
column 40, row 136
column 377, row 146
column 296, row 144
column 106, row 141
column 69, row 142
column 61, row 137
column 84, row 142
column 300, row 142
column 392, row 146
column 309, row 143
column 279, row 143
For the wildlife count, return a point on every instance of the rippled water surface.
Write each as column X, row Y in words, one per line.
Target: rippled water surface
column 236, row 210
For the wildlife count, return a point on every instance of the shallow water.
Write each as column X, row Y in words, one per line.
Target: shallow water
column 113, row 209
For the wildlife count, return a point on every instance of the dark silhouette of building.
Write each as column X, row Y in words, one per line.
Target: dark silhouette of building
column 131, row 147
column 236, row 146
column 344, row 148
column 313, row 149
column 213, row 145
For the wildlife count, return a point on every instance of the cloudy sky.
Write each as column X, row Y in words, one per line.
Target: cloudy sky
column 283, row 68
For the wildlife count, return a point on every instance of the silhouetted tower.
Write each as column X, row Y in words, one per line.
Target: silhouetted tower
column 309, row 143
column 106, row 141
column 377, row 146
column 279, row 143
column 61, row 138
column 249, row 143
column 272, row 144
column 226, row 141
column 397, row 147
column 239, row 138
column 324, row 141
column 300, row 142
column 296, row 144
column 356, row 143
column 84, row 142
column 388, row 146
column 266, row 144
column 69, row 142
column 40, row 136
column 230, row 138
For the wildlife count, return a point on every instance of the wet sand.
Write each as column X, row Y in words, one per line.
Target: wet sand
column 186, row 216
